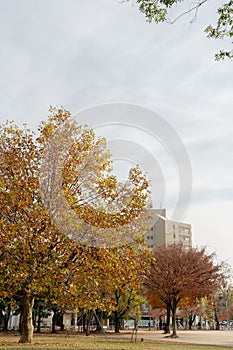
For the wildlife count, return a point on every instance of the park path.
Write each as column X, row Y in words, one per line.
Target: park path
column 220, row 338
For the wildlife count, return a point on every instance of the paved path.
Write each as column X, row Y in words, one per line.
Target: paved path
column 221, row 338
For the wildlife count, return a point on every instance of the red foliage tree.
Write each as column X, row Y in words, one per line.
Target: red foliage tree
column 177, row 274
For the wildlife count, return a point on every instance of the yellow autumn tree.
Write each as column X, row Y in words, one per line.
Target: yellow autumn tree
column 113, row 282
column 58, row 197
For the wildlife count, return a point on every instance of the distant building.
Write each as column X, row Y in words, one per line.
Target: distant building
column 164, row 231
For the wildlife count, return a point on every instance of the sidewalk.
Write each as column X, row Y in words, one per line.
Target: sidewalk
column 202, row 337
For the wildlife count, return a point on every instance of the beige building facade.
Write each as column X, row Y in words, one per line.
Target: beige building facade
column 164, row 231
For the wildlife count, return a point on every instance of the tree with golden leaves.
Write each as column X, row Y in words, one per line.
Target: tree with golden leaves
column 113, row 283
column 178, row 274
column 125, row 285
column 54, row 191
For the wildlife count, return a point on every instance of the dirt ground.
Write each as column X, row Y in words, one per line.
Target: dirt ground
column 202, row 337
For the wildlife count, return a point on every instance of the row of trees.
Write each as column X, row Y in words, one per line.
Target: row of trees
column 212, row 312
column 171, row 279
column 168, row 282
column 69, row 230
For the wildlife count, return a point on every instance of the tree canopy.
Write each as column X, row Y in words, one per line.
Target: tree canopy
column 160, row 10
column 38, row 258
column 179, row 275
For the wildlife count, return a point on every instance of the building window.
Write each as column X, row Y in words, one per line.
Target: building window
column 185, row 229
column 184, row 238
column 149, row 237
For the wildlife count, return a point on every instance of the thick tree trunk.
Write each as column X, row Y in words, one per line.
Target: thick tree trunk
column 27, row 326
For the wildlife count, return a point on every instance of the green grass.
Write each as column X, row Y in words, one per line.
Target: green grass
column 80, row 342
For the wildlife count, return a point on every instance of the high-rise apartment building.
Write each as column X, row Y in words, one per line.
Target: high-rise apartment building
column 164, row 231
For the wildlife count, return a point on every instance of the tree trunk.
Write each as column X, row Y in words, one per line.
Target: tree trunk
column 88, row 323
column 216, row 320
column 191, row 320
column 135, row 330
column 62, row 323
column 200, row 323
column 174, row 334
column 8, row 315
column 5, row 324
column 117, row 323
column 27, row 326
column 84, row 322
column 54, row 320
column 167, row 325
column 6, row 318
column 39, row 322
column 99, row 315
column 160, row 323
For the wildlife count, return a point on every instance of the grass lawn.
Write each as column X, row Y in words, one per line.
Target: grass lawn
column 10, row 342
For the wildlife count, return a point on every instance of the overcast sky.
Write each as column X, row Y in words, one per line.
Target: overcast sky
column 83, row 53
